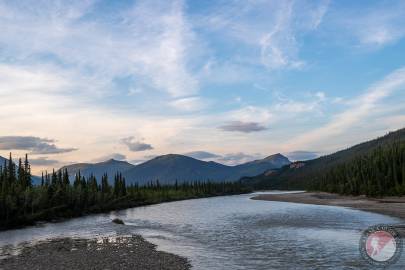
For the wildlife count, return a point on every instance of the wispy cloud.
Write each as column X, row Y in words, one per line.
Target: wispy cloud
column 282, row 109
column 361, row 108
column 61, row 33
column 61, row 59
column 374, row 25
column 189, row 104
column 279, row 47
column 271, row 28
column 24, row 80
column 34, row 144
column 135, row 146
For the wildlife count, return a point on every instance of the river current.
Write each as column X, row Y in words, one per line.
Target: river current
column 230, row 232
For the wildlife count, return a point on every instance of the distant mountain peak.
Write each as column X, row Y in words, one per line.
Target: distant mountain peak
column 172, row 157
column 113, row 161
column 275, row 156
column 278, row 159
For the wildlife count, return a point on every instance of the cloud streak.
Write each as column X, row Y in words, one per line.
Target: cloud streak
column 361, row 108
column 270, row 29
column 378, row 25
column 188, row 104
column 278, row 47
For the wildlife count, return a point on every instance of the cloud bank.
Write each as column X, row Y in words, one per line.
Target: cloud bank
column 245, row 127
column 135, row 146
column 35, row 145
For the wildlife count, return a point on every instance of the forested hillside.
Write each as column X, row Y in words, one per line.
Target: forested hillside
column 22, row 203
column 373, row 168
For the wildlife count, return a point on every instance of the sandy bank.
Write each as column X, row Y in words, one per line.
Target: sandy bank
column 392, row 206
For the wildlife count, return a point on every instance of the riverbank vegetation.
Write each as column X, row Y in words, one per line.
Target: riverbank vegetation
column 22, row 203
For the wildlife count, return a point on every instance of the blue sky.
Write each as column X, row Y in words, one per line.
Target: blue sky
column 82, row 81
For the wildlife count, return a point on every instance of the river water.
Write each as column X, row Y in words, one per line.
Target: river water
column 231, row 232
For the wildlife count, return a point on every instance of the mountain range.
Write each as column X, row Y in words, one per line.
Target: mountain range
column 172, row 167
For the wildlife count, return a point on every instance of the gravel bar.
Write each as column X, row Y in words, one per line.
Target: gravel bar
column 130, row 252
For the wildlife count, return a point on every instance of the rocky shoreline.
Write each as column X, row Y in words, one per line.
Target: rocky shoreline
column 124, row 252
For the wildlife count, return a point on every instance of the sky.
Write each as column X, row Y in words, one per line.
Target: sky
column 230, row 81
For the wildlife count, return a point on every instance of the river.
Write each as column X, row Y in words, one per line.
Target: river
column 231, row 232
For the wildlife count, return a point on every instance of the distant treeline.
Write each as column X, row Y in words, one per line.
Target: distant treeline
column 375, row 168
column 22, row 203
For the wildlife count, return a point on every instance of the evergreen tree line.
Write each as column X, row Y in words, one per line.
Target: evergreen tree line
column 378, row 173
column 374, row 168
column 22, row 203
column 375, row 173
